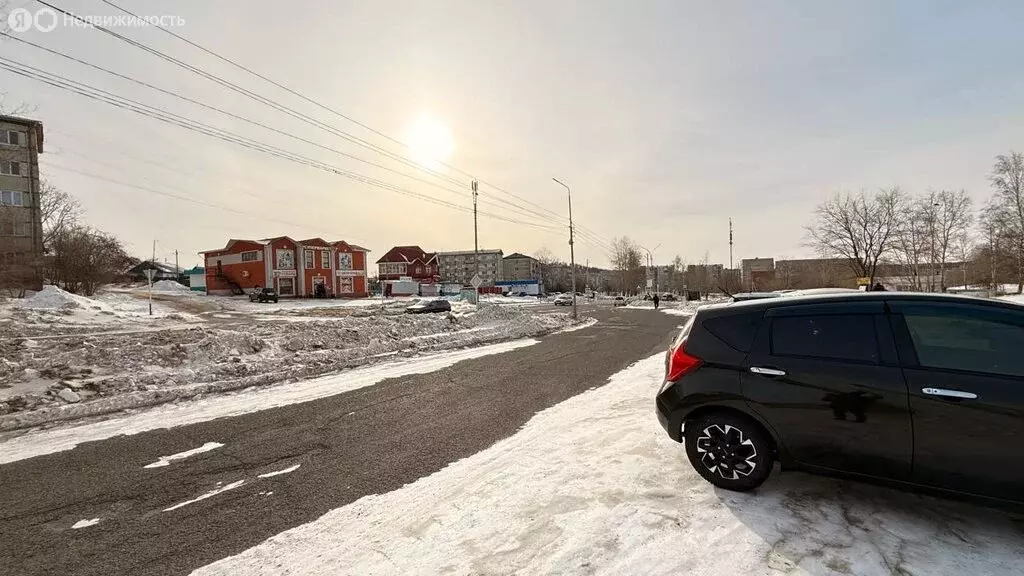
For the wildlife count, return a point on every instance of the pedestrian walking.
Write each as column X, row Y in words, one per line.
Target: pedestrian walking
column 656, row 300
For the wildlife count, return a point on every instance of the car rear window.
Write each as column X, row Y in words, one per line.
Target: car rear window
column 737, row 331
column 833, row 337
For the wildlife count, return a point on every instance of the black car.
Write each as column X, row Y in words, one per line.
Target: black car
column 917, row 390
column 264, row 295
column 428, row 306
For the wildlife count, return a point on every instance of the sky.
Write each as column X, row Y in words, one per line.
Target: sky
column 666, row 119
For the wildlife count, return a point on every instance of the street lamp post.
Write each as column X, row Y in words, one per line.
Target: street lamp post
column 650, row 264
column 572, row 254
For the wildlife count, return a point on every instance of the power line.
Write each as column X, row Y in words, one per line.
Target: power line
column 288, row 110
column 159, row 114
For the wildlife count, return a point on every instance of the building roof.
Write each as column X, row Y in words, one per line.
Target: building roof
column 518, row 255
column 234, row 241
column 160, row 266
column 351, row 247
column 468, row 252
column 314, row 242
column 196, row 270
column 29, row 123
column 406, row 254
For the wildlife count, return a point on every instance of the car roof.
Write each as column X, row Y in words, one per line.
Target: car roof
column 849, row 297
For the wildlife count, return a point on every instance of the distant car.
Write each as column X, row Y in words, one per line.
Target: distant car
column 429, row 306
column 563, row 300
column 668, row 297
column 264, row 295
column 619, row 301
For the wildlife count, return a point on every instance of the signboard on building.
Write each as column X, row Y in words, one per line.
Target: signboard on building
column 285, row 274
column 349, row 273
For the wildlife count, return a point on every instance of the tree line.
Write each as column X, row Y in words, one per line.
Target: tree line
column 922, row 234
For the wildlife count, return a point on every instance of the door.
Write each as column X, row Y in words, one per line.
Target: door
column 286, row 287
column 964, row 366
column 826, row 377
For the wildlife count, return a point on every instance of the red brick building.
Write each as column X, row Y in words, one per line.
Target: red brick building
column 293, row 268
column 408, row 262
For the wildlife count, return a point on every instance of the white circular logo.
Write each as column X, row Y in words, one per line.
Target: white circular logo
column 46, row 20
column 20, row 20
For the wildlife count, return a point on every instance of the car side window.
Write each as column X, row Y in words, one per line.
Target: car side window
column 959, row 339
column 847, row 337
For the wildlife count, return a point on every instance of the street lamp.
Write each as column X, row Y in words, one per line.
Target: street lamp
column 572, row 254
column 650, row 264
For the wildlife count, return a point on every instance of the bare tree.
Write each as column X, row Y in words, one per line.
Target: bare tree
column 628, row 262
column 912, row 241
column 859, row 228
column 953, row 219
column 84, row 259
column 59, row 209
column 1007, row 177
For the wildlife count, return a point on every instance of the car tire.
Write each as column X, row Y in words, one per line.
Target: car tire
column 730, row 451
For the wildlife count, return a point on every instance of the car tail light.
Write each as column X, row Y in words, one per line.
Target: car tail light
column 680, row 363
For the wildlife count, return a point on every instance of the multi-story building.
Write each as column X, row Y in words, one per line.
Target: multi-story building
column 518, row 266
column 459, row 267
column 408, row 262
column 327, row 268
column 757, row 273
column 21, row 229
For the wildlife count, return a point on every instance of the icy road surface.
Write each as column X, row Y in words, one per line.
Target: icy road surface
column 593, row 485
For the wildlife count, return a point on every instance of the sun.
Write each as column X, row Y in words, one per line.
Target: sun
column 429, row 141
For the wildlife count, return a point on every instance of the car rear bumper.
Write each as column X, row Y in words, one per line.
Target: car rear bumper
column 669, row 418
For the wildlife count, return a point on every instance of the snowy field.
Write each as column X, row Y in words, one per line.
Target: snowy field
column 594, row 486
column 64, row 356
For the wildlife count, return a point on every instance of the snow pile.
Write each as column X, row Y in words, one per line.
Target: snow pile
column 594, row 486
column 53, row 298
column 170, row 286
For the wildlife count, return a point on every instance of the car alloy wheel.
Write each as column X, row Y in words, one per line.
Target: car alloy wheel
column 726, row 452
column 729, row 450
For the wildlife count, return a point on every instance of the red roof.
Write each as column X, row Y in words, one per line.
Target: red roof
column 407, row 254
column 347, row 246
column 231, row 244
column 315, row 242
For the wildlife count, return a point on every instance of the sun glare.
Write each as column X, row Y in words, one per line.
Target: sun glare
column 429, row 141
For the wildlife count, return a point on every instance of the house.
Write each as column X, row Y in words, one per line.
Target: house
column 164, row 271
column 312, row 267
column 21, row 229
column 460, row 267
column 403, row 268
column 196, row 279
column 518, row 266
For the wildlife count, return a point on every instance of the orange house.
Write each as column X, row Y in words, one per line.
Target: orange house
column 293, row 268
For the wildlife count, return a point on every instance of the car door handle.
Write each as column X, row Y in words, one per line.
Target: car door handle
column 949, row 393
column 767, row 371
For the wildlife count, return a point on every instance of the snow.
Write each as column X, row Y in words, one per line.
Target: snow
column 38, row 443
column 209, row 494
column 85, row 523
column 53, row 298
column 594, row 486
column 287, row 470
column 172, row 287
column 166, row 460
column 585, row 324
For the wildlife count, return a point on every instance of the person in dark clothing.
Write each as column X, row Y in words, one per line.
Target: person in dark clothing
column 656, row 300
column 878, row 287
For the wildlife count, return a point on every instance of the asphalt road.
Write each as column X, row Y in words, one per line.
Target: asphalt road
column 370, row 440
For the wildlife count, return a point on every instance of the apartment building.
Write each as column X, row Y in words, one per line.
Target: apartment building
column 21, row 229
column 518, row 266
column 459, row 267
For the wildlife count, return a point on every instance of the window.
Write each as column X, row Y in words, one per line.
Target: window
column 9, row 198
column 419, row 270
column 13, row 168
column 344, row 261
column 307, row 257
column 286, row 259
column 737, row 330
column 250, row 256
column 325, row 259
column 958, row 339
column 839, row 337
column 13, row 228
column 286, row 286
column 11, row 137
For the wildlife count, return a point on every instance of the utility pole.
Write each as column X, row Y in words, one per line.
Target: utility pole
column 476, row 244
column 176, row 269
column 730, row 243
column 586, row 282
column 572, row 253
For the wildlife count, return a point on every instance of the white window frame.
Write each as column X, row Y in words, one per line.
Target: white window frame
column 7, row 137
column 7, row 168
column 325, row 259
column 255, row 256
column 11, row 202
column 307, row 259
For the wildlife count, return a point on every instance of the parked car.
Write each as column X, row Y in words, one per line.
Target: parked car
column 668, row 297
column 916, row 390
column 619, row 301
column 429, row 306
column 563, row 300
column 264, row 295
